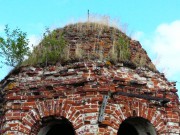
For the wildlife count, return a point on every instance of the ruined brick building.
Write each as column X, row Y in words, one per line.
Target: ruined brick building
column 96, row 91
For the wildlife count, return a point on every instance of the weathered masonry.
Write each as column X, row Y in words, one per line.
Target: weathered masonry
column 37, row 96
column 88, row 98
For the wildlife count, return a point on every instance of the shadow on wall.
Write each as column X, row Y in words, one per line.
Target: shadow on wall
column 136, row 126
column 53, row 126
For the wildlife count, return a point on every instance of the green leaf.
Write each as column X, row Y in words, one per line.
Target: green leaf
column 14, row 46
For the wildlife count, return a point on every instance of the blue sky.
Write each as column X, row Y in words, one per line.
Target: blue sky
column 155, row 23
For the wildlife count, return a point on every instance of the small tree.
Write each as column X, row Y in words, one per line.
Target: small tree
column 14, row 47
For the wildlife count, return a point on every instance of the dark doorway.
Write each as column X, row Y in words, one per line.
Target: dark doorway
column 57, row 127
column 136, row 126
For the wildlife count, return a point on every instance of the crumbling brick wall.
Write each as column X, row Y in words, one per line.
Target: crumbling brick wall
column 76, row 92
column 96, row 96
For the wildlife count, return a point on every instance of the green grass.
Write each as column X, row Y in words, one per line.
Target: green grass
column 51, row 50
column 55, row 46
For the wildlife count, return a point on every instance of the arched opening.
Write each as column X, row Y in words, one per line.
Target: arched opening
column 54, row 126
column 136, row 126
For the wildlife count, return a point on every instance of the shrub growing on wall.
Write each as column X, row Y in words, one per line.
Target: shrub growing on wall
column 49, row 51
column 120, row 50
column 53, row 45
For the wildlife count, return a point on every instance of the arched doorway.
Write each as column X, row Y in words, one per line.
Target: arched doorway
column 136, row 126
column 54, row 126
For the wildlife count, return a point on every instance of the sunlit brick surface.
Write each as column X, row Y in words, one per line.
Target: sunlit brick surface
column 76, row 92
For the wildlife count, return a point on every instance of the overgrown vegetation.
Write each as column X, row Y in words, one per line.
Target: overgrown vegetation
column 14, row 47
column 99, row 38
column 120, row 50
column 85, row 41
column 52, row 49
column 79, row 53
column 140, row 60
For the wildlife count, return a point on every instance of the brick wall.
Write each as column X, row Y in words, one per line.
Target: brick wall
column 76, row 92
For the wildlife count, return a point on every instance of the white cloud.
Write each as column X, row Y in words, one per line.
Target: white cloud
column 166, row 44
column 33, row 41
column 164, row 48
column 137, row 35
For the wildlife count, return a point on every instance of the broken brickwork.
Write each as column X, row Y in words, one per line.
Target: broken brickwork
column 95, row 96
column 76, row 92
